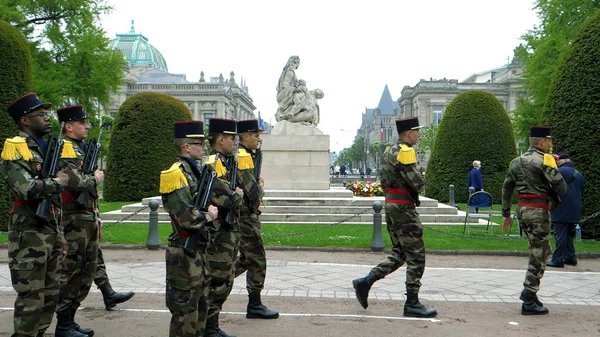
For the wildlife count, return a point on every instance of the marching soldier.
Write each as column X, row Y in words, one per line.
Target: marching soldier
column 80, row 223
column 252, row 258
column 188, row 274
column 34, row 244
column 222, row 252
column 402, row 182
column 535, row 176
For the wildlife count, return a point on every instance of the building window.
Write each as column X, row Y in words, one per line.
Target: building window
column 207, row 117
column 437, row 114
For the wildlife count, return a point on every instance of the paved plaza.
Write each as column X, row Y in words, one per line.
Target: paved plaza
column 333, row 280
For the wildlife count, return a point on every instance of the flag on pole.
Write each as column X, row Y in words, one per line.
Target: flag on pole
column 381, row 129
column 260, row 122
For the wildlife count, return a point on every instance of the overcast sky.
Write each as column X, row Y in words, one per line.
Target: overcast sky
column 349, row 49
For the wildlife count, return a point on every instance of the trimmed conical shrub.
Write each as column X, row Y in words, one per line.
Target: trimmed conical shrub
column 141, row 145
column 573, row 111
column 16, row 71
column 475, row 127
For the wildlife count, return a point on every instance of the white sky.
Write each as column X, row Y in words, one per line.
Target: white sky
column 350, row 49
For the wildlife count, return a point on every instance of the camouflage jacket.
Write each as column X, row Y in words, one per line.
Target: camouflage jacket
column 399, row 169
column 222, row 196
column 534, row 172
column 71, row 163
column 253, row 192
column 179, row 186
column 21, row 171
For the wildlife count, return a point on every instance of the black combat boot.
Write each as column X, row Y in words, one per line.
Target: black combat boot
column 362, row 286
column 413, row 308
column 212, row 329
column 112, row 298
column 534, row 296
column 85, row 331
column 256, row 309
column 65, row 326
column 530, row 306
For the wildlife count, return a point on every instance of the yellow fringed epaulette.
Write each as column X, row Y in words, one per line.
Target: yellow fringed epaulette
column 407, row 155
column 68, row 152
column 172, row 179
column 245, row 161
column 219, row 167
column 550, row 161
column 16, row 148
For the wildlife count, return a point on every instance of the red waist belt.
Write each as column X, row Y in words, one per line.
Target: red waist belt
column 533, row 200
column 398, row 195
column 66, row 197
column 23, row 204
column 184, row 234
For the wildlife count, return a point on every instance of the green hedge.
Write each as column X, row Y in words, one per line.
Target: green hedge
column 141, row 145
column 16, row 71
column 573, row 110
column 475, row 127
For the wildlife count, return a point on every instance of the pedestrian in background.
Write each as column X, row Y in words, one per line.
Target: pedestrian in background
column 475, row 177
column 566, row 216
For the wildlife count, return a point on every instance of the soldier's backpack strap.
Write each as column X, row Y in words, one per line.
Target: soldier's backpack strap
column 172, row 179
column 217, row 165
column 68, row 151
column 406, row 155
column 245, row 161
column 16, row 148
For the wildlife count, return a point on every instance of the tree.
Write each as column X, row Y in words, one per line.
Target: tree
column 544, row 48
column 72, row 62
column 142, row 145
column 475, row 127
column 427, row 138
column 16, row 74
column 573, row 110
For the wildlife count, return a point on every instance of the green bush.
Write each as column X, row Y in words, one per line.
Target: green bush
column 573, row 110
column 141, row 145
column 16, row 71
column 475, row 127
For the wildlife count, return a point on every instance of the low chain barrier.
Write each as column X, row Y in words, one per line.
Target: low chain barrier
column 129, row 216
column 316, row 229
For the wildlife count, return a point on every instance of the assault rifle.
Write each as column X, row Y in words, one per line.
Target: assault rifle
column 258, row 164
column 232, row 166
column 90, row 164
column 201, row 202
column 49, row 169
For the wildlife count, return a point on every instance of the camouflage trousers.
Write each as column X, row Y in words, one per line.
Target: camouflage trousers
column 188, row 284
column 34, row 253
column 100, row 277
column 79, row 265
column 535, row 222
column 252, row 258
column 221, row 258
column 406, row 232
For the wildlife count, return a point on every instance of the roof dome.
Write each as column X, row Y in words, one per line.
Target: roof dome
column 137, row 50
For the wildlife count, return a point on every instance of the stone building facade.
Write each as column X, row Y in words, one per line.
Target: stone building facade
column 148, row 71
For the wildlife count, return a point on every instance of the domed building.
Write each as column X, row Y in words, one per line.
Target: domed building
column 147, row 71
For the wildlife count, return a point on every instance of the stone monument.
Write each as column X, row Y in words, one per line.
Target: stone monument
column 296, row 153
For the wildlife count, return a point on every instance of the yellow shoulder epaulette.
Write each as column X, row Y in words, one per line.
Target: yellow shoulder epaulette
column 16, row 148
column 407, row 155
column 68, row 152
column 245, row 161
column 172, row 179
column 219, row 167
column 550, row 161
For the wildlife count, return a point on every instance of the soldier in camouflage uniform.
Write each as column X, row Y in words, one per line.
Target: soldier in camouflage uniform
column 252, row 258
column 223, row 250
column 188, row 274
column 34, row 244
column 402, row 182
column 80, row 223
column 535, row 176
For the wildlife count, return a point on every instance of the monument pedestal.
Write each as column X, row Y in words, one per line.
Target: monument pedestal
column 295, row 157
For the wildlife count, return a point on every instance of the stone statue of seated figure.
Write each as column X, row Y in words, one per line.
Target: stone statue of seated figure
column 296, row 103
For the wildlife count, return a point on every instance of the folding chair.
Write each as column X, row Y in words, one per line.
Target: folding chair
column 515, row 218
column 483, row 201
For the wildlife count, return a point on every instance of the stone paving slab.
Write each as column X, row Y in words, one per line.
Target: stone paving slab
column 331, row 280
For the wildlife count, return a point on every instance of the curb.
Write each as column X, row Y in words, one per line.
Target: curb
column 586, row 255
